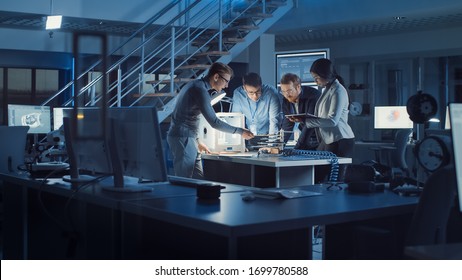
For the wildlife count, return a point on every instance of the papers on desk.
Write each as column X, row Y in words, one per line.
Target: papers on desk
column 273, row 193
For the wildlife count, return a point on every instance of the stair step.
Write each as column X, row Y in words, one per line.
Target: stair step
column 253, row 16
column 156, row 94
column 227, row 40
column 202, row 54
column 176, row 80
column 195, row 66
column 269, row 4
column 242, row 27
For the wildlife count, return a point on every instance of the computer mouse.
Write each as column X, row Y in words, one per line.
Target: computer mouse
column 248, row 197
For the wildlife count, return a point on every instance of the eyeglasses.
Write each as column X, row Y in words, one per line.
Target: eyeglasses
column 253, row 93
column 289, row 91
column 224, row 79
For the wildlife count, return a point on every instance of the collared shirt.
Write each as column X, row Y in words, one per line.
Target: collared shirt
column 265, row 114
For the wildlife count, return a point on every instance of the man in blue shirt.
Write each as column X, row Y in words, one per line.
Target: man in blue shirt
column 260, row 105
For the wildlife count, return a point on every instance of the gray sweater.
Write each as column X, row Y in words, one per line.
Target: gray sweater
column 193, row 100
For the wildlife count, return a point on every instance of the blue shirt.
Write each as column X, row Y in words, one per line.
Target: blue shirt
column 265, row 113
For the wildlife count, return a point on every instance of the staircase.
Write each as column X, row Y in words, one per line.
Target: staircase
column 167, row 56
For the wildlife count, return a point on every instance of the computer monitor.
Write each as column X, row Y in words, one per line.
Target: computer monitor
column 38, row 118
column 89, row 155
column 391, row 117
column 299, row 63
column 136, row 147
column 455, row 112
column 132, row 146
column 58, row 115
column 447, row 121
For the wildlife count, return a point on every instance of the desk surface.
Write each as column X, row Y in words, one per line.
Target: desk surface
column 272, row 160
column 231, row 216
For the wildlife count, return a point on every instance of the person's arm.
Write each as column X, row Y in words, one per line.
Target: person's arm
column 203, row 101
column 338, row 101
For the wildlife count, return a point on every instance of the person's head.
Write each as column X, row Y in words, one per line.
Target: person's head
column 219, row 75
column 291, row 87
column 323, row 72
column 252, row 85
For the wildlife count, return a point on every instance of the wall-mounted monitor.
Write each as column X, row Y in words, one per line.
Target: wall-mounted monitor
column 299, row 63
column 455, row 112
column 37, row 118
column 391, row 117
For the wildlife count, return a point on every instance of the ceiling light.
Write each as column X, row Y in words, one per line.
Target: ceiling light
column 53, row 22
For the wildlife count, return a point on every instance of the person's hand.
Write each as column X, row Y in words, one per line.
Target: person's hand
column 295, row 119
column 203, row 148
column 247, row 134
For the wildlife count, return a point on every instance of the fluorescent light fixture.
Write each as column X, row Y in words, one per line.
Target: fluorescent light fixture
column 53, row 22
column 434, row 120
column 217, row 97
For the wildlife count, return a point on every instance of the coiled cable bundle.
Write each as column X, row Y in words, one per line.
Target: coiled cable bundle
column 311, row 154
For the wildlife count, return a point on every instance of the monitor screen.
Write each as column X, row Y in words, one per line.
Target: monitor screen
column 38, row 118
column 58, row 114
column 447, row 121
column 138, row 141
column 298, row 63
column 88, row 155
column 391, row 117
column 131, row 146
column 455, row 112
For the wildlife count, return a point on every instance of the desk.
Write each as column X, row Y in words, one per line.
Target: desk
column 263, row 171
column 449, row 251
column 171, row 223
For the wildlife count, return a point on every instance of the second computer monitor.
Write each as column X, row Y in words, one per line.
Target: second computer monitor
column 391, row 117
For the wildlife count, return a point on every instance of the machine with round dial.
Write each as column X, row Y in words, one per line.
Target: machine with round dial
column 433, row 152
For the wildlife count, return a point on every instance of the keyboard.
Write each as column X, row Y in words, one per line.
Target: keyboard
column 283, row 193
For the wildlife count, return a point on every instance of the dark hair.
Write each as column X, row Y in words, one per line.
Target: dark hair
column 219, row 68
column 290, row 77
column 252, row 79
column 325, row 69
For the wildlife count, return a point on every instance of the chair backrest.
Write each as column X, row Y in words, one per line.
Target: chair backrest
column 398, row 156
column 12, row 147
column 429, row 222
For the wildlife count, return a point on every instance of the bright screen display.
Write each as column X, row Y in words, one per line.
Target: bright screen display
column 298, row 63
column 37, row 118
column 58, row 114
column 391, row 117
column 455, row 112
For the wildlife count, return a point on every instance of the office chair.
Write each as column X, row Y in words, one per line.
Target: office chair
column 396, row 154
column 429, row 221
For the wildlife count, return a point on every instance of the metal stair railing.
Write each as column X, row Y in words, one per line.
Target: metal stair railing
column 146, row 26
column 159, row 53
